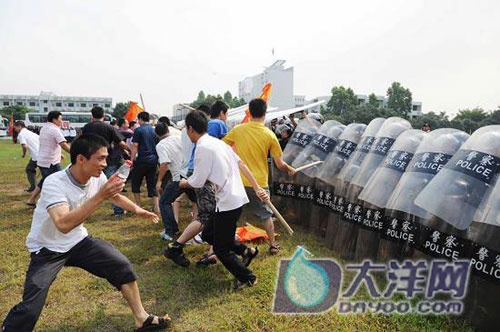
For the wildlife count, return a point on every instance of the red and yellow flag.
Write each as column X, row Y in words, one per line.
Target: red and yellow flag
column 266, row 90
column 132, row 112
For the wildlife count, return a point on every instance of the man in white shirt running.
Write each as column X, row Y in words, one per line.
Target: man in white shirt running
column 216, row 162
column 29, row 142
column 51, row 141
column 58, row 238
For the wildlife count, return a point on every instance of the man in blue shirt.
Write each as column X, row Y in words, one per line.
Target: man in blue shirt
column 218, row 115
column 144, row 147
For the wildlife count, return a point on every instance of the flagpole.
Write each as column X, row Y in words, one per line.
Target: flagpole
column 142, row 102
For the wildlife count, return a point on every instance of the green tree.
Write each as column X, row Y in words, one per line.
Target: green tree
column 18, row 112
column 435, row 120
column 373, row 101
column 494, row 117
column 209, row 99
column 342, row 100
column 471, row 119
column 120, row 109
column 399, row 98
column 201, row 98
column 228, row 98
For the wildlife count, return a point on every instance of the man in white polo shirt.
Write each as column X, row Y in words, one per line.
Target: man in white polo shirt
column 58, row 237
column 51, row 142
column 216, row 162
column 169, row 151
column 29, row 143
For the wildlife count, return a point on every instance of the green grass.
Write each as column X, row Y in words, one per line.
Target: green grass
column 197, row 299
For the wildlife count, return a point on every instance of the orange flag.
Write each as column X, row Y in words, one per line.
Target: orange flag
column 132, row 112
column 266, row 90
column 11, row 125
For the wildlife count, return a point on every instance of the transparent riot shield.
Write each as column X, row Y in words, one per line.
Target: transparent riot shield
column 285, row 188
column 379, row 188
column 456, row 192
column 481, row 303
column 324, row 182
column 352, row 215
column 402, row 217
column 342, row 181
column 321, row 146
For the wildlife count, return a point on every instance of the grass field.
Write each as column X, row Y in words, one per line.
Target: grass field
column 197, row 299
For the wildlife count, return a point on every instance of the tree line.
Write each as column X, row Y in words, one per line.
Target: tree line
column 345, row 106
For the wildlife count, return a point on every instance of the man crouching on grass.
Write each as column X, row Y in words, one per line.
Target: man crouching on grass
column 216, row 162
column 58, row 237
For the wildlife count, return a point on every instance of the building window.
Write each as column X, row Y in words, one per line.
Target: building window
column 32, row 103
column 83, row 105
column 20, row 103
column 71, row 104
column 58, row 104
column 5, row 103
column 94, row 105
column 415, row 107
column 45, row 109
column 107, row 105
column 45, row 101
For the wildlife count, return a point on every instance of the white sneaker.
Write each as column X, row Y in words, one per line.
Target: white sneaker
column 198, row 239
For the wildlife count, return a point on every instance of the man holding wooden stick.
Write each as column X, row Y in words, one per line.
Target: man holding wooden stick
column 253, row 142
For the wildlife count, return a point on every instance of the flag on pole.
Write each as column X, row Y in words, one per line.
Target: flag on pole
column 266, row 90
column 132, row 112
column 11, row 124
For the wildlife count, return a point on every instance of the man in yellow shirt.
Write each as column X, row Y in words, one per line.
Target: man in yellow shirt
column 253, row 141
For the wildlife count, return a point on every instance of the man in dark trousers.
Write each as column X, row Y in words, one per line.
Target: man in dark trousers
column 144, row 148
column 58, row 238
column 114, row 139
column 218, row 163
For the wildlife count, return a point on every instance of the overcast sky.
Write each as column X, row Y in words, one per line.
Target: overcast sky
column 446, row 52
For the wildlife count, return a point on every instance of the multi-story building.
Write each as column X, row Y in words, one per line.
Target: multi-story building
column 48, row 101
column 282, row 86
column 179, row 113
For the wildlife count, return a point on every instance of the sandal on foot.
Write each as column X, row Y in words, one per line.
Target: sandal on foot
column 248, row 256
column 274, row 249
column 148, row 324
column 207, row 260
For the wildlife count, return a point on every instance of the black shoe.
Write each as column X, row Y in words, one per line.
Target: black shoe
column 248, row 256
column 207, row 260
column 177, row 255
column 237, row 285
column 29, row 190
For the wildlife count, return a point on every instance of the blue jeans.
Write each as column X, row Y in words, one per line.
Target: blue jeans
column 109, row 171
column 170, row 194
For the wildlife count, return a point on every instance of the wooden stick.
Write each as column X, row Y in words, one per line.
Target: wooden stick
column 301, row 168
column 142, row 101
column 280, row 217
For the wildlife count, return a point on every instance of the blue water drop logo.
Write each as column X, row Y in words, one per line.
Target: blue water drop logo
column 306, row 283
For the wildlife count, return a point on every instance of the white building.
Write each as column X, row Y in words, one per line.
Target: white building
column 179, row 113
column 48, row 101
column 282, row 86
